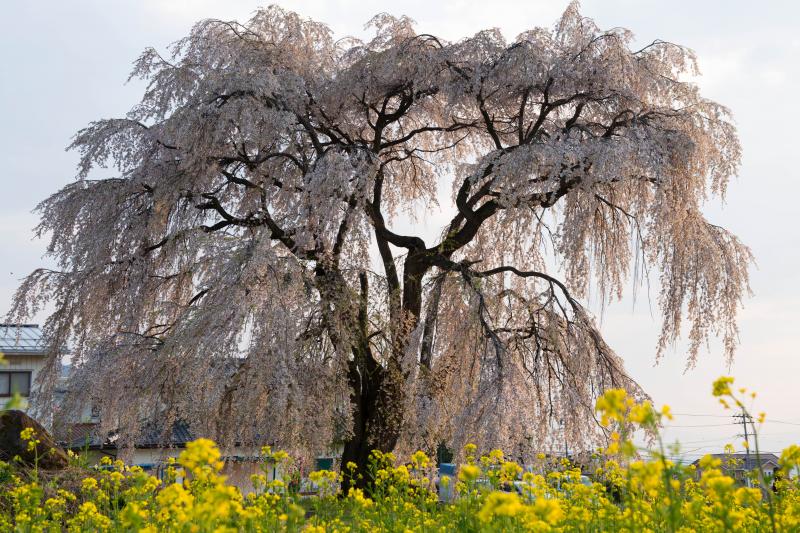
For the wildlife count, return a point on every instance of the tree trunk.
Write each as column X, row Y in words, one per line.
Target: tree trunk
column 363, row 394
column 378, row 392
column 377, row 400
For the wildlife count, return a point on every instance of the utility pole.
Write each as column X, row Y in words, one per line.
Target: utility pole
column 745, row 418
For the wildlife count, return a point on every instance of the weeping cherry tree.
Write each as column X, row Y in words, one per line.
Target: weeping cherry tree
column 258, row 265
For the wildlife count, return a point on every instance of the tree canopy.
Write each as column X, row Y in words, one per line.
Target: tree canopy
column 256, row 265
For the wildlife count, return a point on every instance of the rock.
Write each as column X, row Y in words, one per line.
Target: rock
column 12, row 422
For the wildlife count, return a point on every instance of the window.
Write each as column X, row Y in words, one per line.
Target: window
column 11, row 382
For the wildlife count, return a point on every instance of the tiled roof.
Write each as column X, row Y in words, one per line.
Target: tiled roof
column 80, row 435
column 152, row 437
column 21, row 339
column 88, row 435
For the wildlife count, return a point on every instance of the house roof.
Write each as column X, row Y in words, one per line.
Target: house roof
column 87, row 435
column 21, row 339
column 152, row 436
column 79, row 436
column 744, row 461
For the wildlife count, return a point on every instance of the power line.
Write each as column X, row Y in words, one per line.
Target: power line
column 700, row 425
column 772, row 420
column 693, row 414
column 722, row 439
column 781, row 422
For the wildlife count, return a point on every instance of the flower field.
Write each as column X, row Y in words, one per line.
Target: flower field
column 489, row 493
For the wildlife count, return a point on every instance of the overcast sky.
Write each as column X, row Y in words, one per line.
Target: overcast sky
column 63, row 64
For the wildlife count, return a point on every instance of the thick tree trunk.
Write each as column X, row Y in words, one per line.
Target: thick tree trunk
column 378, row 401
column 378, row 395
column 356, row 450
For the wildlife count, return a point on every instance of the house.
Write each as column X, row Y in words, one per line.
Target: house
column 153, row 449
column 744, row 467
column 24, row 355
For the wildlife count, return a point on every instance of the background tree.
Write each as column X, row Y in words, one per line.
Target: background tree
column 256, row 266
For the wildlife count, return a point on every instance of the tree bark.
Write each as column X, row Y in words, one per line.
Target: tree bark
column 377, row 398
column 378, row 410
column 378, row 393
column 363, row 396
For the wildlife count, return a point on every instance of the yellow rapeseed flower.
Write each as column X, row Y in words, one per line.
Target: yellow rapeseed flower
column 498, row 504
column 722, row 386
column 420, row 460
column 468, row 473
column 790, row 457
column 612, row 405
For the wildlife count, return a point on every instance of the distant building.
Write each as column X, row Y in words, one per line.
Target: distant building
column 744, row 466
column 152, row 450
column 24, row 354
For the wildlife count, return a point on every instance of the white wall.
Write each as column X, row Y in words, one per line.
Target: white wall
column 26, row 362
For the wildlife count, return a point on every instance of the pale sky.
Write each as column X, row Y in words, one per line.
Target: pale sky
column 64, row 64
